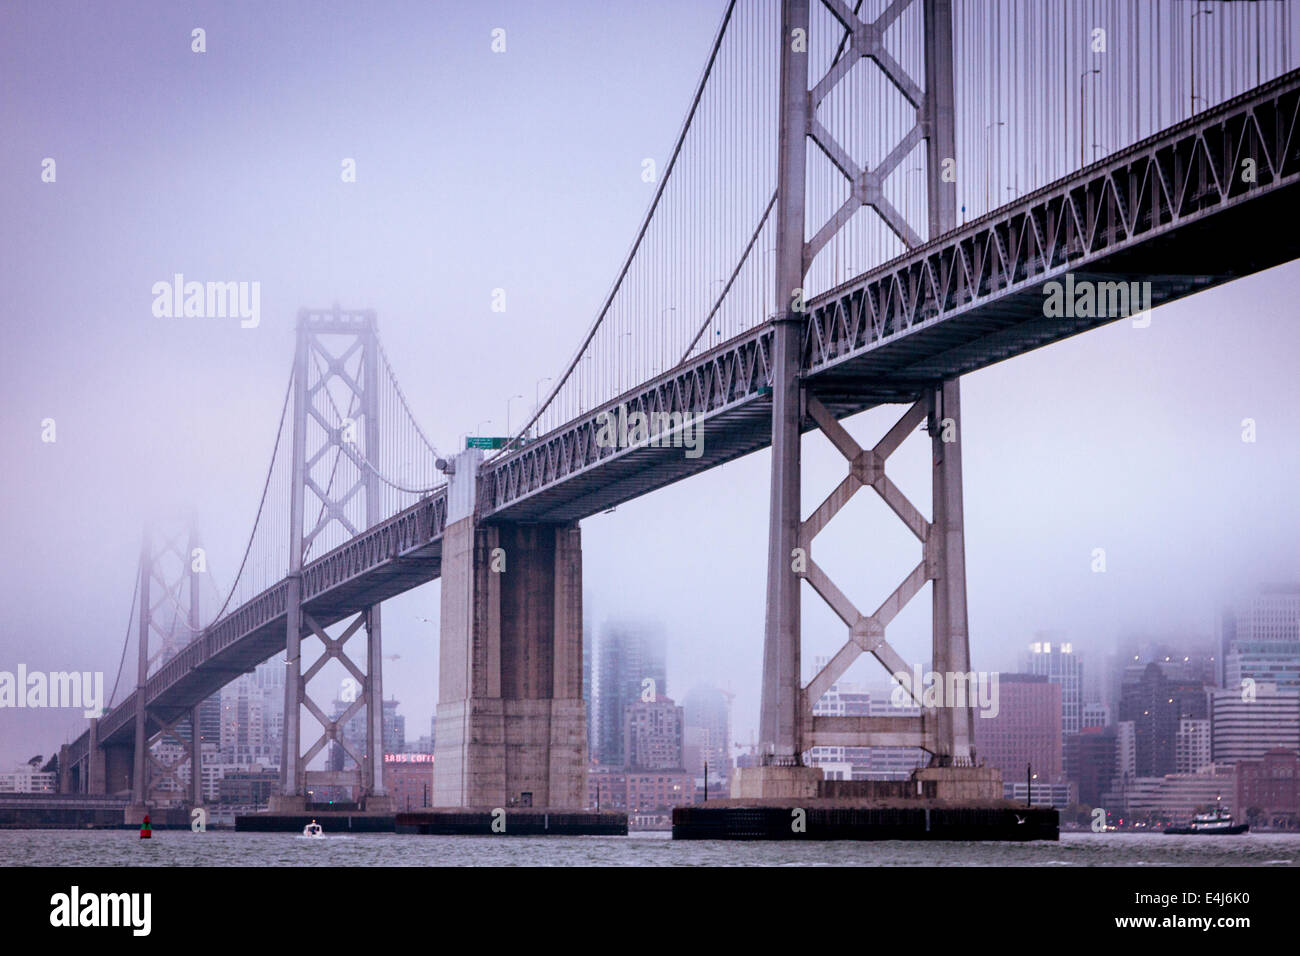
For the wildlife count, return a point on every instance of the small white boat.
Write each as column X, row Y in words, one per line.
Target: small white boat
column 313, row 829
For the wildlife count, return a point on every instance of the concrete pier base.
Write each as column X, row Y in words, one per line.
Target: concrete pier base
column 780, row 783
column 511, row 722
column 960, row 784
column 467, row 822
column 794, row 803
column 281, row 803
column 821, row 819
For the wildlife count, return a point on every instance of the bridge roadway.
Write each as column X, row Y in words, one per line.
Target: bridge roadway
column 1173, row 210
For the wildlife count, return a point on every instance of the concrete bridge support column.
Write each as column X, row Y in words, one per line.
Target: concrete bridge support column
column 65, row 771
column 511, row 721
column 947, row 552
column 118, row 762
column 96, row 779
column 140, row 766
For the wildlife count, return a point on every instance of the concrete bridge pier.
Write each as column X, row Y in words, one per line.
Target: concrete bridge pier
column 511, row 721
column 117, row 766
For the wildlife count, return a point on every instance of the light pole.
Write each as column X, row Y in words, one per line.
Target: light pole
column 663, row 339
column 1198, row 12
column 621, row 352
column 582, row 386
column 1082, row 76
column 710, row 304
column 486, row 421
column 537, row 399
column 988, row 160
column 508, row 401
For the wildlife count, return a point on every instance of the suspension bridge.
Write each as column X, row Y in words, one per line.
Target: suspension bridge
column 865, row 201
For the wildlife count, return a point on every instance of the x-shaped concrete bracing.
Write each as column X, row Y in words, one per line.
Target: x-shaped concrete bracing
column 334, row 503
column 169, row 592
column 866, row 185
column 866, row 632
column 165, row 770
column 332, row 728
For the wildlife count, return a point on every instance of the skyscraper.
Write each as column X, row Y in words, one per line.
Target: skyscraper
column 1245, row 726
column 631, row 664
column 1261, row 639
column 1026, row 730
column 1156, row 704
column 653, row 735
column 1091, row 762
column 589, row 683
column 1056, row 660
column 708, row 731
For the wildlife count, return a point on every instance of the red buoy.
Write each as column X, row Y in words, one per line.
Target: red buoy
column 145, row 831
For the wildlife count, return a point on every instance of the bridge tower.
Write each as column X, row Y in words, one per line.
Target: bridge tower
column 168, row 593
column 336, row 409
column 787, row 727
column 511, row 722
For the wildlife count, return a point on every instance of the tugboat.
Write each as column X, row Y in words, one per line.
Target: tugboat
column 313, row 829
column 1217, row 821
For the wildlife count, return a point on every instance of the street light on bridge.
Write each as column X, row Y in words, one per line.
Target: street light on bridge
column 1083, row 76
column 508, row 401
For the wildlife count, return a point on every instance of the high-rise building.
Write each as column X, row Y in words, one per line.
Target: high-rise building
column 210, row 720
column 1090, row 762
column 1125, row 751
column 394, row 736
column 1055, row 659
column 1156, row 703
column 1260, row 639
column 1264, row 662
column 631, row 663
column 1026, row 730
column 244, row 738
column 1245, row 726
column 1192, row 752
column 1095, row 714
column 589, row 683
column 653, row 735
column 708, row 731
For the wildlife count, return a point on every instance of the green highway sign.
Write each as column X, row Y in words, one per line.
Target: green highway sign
column 491, row 442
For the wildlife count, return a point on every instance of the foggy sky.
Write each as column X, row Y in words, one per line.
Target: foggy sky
column 523, row 171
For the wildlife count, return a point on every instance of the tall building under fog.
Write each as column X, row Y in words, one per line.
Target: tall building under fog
column 1261, row 640
column 1156, row 704
column 631, row 660
column 250, row 721
column 708, row 731
column 1055, row 659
